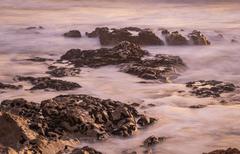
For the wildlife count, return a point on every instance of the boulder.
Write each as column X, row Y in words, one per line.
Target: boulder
column 132, row 34
column 63, row 71
column 85, row 150
column 153, row 140
column 227, row 151
column 175, row 38
column 197, row 38
column 73, row 33
column 48, row 83
column 210, row 88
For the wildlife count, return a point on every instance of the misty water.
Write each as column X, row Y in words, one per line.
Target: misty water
column 189, row 131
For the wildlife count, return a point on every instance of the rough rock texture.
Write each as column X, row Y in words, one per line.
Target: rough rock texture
column 175, row 38
column 9, row 86
column 161, row 67
column 122, row 53
column 85, row 150
column 75, row 114
column 146, row 121
column 132, row 34
column 211, row 88
column 228, row 151
column 198, row 38
column 153, row 140
column 39, row 59
column 48, row 83
column 63, row 71
column 73, row 33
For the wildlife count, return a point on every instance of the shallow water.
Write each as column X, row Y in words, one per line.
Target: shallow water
column 189, row 131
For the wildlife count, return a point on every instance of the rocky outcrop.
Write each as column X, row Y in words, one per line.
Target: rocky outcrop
column 132, row 34
column 85, row 150
column 161, row 67
column 81, row 115
column 9, row 86
column 122, row 53
column 227, row 151
column 211, row 88
column 175, row 38
column 73, row 33
column 48, row 83
column 197, row 38
column 153, row 140
column 63, row 71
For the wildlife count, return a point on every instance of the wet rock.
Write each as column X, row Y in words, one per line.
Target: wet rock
column 33, row 28
column 199, row 106
column 153, row 140
column 85, row 150
column 161, row 67
column 135, row 104
column 198, row 38
column 122, row 53
column 146, row 121
column 48, row 83
column 63, row 71
column 227, row 151
column 71, row 114
column 132, row 34
column 175, row 38
column 39, row 59
column 9, row 86
column 211, row 88
column 165, row 32
column 73, row 33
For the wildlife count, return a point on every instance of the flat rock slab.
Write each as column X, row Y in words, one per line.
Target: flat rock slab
column 211, row 88
column 48, row 83
column 136, row 35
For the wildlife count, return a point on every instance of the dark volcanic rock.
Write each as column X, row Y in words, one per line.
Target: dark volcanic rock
column 39, row 59
column 9, row 86
column 161, row 67
column 114, row 36
column 48, row 83
column 198, row 38
column 210, row 88
column 122, row 53
column 63, row 71
column 85, row 150
column 228, row 151
column 73, row 33
column 176, row 38
column 76, row 114
column 152, row 140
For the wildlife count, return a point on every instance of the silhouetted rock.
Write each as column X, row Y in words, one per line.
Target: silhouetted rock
column 211, row 88
column 198, row 38
column 122, row 53
column 48, row 83
column 63, row 71
column 132, row 34
column 9, row 86
column 228, row 151
column 175, row 38
column 73, row 33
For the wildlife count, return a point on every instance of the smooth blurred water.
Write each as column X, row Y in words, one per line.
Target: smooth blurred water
column 189, row 131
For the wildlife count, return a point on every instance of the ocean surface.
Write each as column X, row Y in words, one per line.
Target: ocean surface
column 189, row 131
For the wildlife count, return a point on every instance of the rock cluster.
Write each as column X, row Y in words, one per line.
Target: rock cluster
column 8, row 86
column 122, row 53
column 76, row 114
column 73, row 33
column 161, row 67
column 63, row 71
column 193, row 38
column 48, row 83
column 153, row 140
column 211, row 88
column 132, row 34
column 227, row 151
column 85, row 150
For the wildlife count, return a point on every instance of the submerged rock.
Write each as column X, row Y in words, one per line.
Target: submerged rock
column 199, row 106
column 161, row 67
column 34, row 27
column 198, row 38
column 9, row 86
column 63, row 71
column 122, row 53
column 175, row 38
column 48, row 83
column 132, row 34
column 146, row 121
column 153, row 140
column 227, row 151
column 73, row 33
column 211, row 88
column 39, row 59
column 85, row 150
